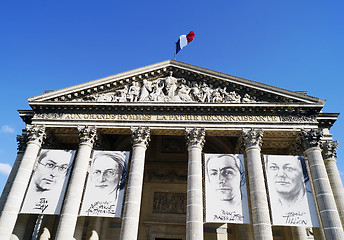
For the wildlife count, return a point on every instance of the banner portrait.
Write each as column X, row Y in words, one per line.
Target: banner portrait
column 48, row 182
column 291, row 198
column 225, row 189
column 105, row 184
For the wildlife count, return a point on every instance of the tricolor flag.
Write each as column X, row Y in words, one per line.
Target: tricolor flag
column 184, row 40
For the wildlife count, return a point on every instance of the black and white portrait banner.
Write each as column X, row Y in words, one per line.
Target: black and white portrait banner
column 48, row 182
column 225, row 189
column 105, row 184
column 291, row 198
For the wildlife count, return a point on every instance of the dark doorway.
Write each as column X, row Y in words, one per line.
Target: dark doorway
column 168, row 239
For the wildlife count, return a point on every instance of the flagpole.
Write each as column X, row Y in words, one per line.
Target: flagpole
column 175, row 49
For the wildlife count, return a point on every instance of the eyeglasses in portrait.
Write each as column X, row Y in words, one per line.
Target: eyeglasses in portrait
column 105, row 184
column 48, row 182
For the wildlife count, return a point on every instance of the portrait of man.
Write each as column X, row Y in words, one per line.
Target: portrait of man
column 225, row 188
column 291, row 198
column 105, row 184
column 48, row 182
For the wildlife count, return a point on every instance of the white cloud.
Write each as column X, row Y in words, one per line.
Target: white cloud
column 6, row 129
column 5, row 168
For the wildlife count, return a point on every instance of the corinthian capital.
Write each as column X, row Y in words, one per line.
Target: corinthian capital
column 252, row 137
column 329, row 149
column 195, row 137
column 21, row 142
column 311, row 138
column 140, row 135
column 87, row 135
column 35, row 134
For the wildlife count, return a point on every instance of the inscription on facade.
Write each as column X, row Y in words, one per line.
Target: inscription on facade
column 174, row 117
column 145, row 117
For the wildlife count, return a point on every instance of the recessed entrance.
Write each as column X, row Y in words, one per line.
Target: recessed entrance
column 168, row 239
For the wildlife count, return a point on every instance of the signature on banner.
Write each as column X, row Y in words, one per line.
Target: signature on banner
column 229, row 216
column 101, row 207
column 296, row 218
column 42, row 204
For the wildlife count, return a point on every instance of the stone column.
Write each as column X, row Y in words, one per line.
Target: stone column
column 11, row 208
column 329, row 215
column 299, row 233
column 70, row 210
column 259, row 203
column 132, row 203
column 21, row 149
column 195, row 138
column 329, row 154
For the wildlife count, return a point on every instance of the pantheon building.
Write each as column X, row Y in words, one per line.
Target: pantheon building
column 173, row 151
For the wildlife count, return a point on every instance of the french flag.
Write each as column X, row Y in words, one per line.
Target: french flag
column 184, row 40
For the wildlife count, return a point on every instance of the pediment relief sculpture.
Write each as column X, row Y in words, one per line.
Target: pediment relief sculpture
column 171, row 89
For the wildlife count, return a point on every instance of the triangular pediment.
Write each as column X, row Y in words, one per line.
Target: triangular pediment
column 175, row 82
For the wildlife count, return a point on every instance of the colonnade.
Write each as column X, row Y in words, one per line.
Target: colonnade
column 328, row 190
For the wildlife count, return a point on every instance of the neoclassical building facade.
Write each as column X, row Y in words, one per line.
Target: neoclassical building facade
column 169, row 116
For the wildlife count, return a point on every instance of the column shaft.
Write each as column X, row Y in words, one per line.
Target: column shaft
column 323, row 194
column 68, row 217
column 194, row 215
column 10, row 179
column 15, row 196
column 329, row 153
column 70, row 210
column 194, row 218
column 299, row 233
column 259, row 203
column 336, row 185
column 132, row 204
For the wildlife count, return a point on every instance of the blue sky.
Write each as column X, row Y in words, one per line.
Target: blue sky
column 49, row 45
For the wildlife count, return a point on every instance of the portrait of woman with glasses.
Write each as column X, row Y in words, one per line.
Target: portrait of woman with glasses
column 49, row 179
column 105, row 184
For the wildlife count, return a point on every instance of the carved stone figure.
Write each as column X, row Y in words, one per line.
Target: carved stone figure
column 169, row 203
column 157, row 95
column 184, row 93
column 196, row 92
column 170, row 89
column 234, row 97
column 216, row 96
column 145, row 90
column 134, row 92
column 171, row 86
column 247, row 99
column 121, row 94
column 206, row 92
column 105, row 97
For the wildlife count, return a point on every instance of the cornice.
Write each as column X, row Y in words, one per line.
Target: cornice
column 326, row 120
